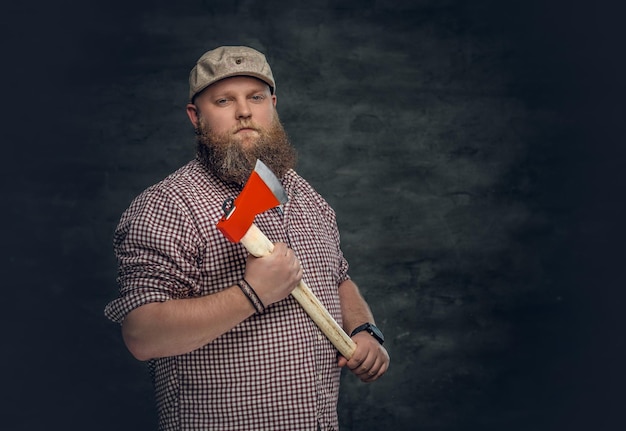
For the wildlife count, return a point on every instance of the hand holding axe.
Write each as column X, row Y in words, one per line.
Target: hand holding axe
column 262, row 192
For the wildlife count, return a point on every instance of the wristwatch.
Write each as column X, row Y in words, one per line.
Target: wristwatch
column 372, row 330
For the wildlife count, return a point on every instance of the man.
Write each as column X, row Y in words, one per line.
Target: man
column 228, row 347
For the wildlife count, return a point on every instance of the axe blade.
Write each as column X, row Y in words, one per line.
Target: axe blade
column 261, row 192
column 271, row 181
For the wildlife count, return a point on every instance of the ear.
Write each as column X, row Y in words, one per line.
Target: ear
column 192, row 113
column 274, row 100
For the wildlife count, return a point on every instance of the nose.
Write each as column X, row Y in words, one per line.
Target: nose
column 243, row 110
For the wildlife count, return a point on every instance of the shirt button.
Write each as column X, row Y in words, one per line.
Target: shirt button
column 320, row 337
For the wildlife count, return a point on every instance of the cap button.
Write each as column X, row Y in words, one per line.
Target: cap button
column 238, row 61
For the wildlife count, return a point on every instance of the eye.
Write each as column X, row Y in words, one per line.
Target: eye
column 222, row 101
column 258, row 97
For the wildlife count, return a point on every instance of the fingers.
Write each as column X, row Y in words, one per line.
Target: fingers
column 370, row 369
column 274, row 276
column 287, row 259
column 365, row 370
column 280, row 248
column 370, row 360
column 342, row 361
column 283, row 252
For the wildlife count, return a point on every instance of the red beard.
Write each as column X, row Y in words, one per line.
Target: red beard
column 232, row 159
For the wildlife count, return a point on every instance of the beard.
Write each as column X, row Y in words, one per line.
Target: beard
column 232, row 158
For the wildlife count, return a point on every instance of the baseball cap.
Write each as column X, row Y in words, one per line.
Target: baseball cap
column 227, row 61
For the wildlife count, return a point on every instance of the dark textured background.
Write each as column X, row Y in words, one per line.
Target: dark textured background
column 473, row 151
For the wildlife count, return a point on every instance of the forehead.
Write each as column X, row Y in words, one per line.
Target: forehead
column 237, row 84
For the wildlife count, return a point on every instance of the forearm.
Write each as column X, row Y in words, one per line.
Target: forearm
column 354, row 308
column 370, row 360
column 179, row 326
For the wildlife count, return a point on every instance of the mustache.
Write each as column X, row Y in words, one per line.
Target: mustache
column 246, row 125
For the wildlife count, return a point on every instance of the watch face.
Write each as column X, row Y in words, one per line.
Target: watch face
column 376, row 333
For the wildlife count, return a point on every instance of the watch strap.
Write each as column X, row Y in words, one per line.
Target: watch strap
column 371, row 329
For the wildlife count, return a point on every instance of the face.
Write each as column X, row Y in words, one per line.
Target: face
column 237, row 106
column 236, row 123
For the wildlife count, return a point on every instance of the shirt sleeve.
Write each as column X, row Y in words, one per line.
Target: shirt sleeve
column 342, row 269
column 157, row 248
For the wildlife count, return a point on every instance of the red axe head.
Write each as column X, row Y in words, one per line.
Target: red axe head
column 261, row 192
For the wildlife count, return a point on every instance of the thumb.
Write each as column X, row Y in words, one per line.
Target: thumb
column 341, row 362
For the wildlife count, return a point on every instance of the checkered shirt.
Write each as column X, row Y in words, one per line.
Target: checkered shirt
column 274, row 371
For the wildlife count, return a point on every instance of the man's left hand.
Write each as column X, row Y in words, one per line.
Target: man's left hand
column 370, row 359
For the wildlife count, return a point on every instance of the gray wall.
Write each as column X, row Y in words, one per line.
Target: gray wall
column 473, row 152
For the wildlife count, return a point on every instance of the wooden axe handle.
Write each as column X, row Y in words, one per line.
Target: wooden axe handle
column 259, row 245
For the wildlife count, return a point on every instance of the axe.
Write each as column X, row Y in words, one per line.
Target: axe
column 262, row 192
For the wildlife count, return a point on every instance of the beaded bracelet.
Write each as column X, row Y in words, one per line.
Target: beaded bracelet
column 249, row 292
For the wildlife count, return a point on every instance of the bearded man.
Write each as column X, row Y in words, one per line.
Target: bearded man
column 217, row 361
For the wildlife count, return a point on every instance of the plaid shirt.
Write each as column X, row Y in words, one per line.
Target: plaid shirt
column 274, row 371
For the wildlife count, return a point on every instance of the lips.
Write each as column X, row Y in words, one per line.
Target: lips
column 247, row 131
column 246, row 127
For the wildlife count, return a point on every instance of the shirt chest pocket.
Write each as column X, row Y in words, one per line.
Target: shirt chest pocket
column 314, row 238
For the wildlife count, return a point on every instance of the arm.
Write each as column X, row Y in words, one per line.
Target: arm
column 370, row 359
column 179, row 326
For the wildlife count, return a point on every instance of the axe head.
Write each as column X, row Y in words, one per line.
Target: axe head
column 261, row 192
